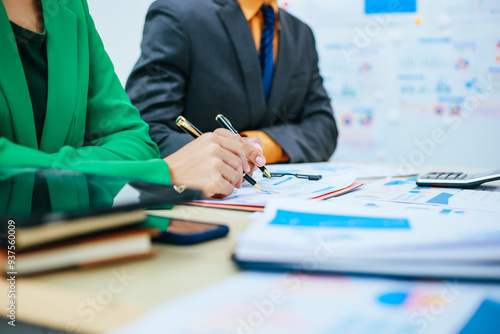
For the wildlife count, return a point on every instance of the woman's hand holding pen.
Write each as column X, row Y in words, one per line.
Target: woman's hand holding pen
column 253, row 151
column 213, row 163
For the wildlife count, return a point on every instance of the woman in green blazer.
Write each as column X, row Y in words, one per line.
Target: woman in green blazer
column 62, row 106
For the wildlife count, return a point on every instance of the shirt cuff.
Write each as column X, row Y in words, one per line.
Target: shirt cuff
column 273, row 152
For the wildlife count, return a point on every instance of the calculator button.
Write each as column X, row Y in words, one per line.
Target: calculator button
column 462, row 176
column 442, row 176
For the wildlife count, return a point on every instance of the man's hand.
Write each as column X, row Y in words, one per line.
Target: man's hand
column 213, row 163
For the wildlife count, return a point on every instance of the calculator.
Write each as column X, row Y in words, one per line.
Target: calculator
column 456, row 179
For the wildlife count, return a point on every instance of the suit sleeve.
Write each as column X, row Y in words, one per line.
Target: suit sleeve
column 157, row 84
column 313, row 136
column 116, row 139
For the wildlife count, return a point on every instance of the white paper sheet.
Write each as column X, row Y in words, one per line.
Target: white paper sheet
column 264, row 303
column 288, row 187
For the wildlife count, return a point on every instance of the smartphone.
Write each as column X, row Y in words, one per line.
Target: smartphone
column 183, row 232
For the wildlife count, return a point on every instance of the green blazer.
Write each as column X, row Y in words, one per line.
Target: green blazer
column 90, row 124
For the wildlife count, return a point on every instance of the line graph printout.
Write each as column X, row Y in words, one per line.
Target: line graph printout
column 285, row 187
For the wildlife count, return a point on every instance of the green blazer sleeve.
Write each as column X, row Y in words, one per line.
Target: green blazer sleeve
column 90, row 125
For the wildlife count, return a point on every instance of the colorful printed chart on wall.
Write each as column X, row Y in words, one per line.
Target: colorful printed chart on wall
column 424, row 72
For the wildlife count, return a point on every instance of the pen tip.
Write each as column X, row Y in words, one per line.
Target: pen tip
column 267, row 174
column 256, row 185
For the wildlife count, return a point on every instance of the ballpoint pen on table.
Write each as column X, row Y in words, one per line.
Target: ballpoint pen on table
column 227, row 124
column 299, row 176
column 190, row 129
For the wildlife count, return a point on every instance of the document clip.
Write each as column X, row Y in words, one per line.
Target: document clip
column 299, row 176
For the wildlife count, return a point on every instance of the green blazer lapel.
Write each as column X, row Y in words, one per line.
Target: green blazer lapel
column 14, row 86
column 62, row 48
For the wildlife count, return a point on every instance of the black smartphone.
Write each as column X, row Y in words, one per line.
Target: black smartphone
column 183, row 232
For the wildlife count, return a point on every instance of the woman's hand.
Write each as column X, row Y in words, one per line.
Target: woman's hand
column 254, row 152
column 253, row 149
column 213, row 163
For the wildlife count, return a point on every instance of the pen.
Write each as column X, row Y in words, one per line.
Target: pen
column 225, row 123
column 190, row 129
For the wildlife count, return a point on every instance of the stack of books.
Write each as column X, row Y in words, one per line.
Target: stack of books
column 78, row 242
column 52, row 219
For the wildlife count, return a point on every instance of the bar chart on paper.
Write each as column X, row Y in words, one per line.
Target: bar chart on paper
column 486, row 198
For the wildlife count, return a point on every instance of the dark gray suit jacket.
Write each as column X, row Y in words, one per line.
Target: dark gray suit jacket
column 199, row 60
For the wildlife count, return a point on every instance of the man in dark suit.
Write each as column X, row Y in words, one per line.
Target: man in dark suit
column 248, row 60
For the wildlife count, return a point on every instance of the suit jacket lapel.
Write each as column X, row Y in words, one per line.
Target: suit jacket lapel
column 239, row 32
column 282, row 68
column 61, row 26
column 14, row 86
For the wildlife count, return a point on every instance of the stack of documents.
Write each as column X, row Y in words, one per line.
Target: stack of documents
column 336, row 179
column 286, row 187
column 340, row 237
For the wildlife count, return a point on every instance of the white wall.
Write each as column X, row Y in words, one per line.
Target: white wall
column 120, row 24
column 399, row 82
